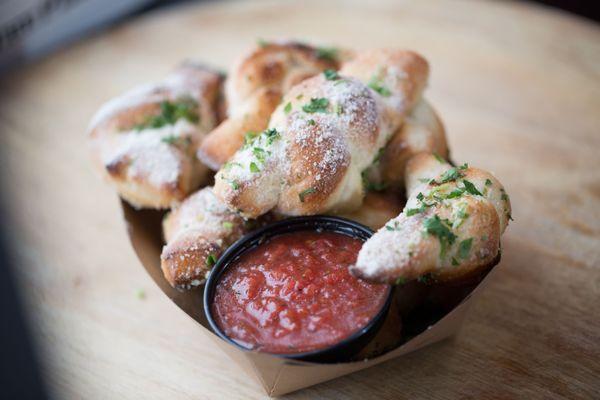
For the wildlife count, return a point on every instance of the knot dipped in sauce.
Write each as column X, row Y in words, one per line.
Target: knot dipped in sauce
column 294, row 294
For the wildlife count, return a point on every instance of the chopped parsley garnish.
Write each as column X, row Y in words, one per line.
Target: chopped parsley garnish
column 400, row 280
column 420, row 196
column 377, row 86
column 229, row 164
column 170, row 113
column 412, row 211
column 299, row 97
column 327, row 53
column 234, row 185
column 455, row 193
column 469, row 187
column 370, row 185
column 249, row 137
column 393, row 228
column 262, row 42
column 455, row 262
column 439, row 158
column 176, row 140
column 260, row 155
column 171, row 139
column 211, row 260
column 462, row 213
column 464, row 166
column 319, row 104
column 339, row 109
column 228, row 225
column 287, row 108
column 254, row 167
column 302, row 195
column 272, row 135
column 311, row 122
column 438, row 228
column 464, row 248
column 449, row 176
column 331, row 75
column 488, row 182
column 504, row 196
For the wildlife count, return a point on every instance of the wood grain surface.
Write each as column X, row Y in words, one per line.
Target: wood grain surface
column 518, row 87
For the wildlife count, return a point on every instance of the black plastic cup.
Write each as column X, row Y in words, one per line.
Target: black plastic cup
column 339, row 352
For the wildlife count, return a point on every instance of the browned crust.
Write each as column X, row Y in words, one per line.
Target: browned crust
column 423, row 131
column 200, row 83
column 228, row 137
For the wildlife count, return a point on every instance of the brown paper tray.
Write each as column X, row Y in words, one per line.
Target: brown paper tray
column 277, row 375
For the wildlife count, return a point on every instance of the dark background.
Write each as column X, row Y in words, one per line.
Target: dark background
column 18, row 367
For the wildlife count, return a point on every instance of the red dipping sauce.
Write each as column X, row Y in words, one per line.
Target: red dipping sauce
column 294, row 294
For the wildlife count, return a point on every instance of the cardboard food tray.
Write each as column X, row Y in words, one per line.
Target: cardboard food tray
column 277, row 375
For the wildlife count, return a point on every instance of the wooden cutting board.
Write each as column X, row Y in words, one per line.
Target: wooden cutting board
column 519, row 89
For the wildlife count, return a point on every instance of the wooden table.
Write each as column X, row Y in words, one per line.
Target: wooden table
column 519, row 89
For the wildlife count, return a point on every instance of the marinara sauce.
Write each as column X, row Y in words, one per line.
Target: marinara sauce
column 294, row 294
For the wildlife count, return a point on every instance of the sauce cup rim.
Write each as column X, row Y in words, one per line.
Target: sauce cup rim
column 289, row 225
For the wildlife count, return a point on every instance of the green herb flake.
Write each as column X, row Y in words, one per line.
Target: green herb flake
column 302, row 195
column 211, row 260
column 412, row 211
column 488, row 182
column 171, row 139
column 464, row 166
column 449, row 176
column 287, row 108
column 377, row 86
column 249, row 137
column 420, row 196
column 316, row 105
column 439, row 158
column 272, row 135
column 455, row 262
column 400, row 280
column 254, row 167
column 470, row 187
column 455, row 193
column 234, row 185
column 170, row 113
column 262, row 42
column 228, row 225
column 464, row 248
column 369, row 185
column 438, row 228
column 140, row 294
column 260, row 154
column 230, row 164
column 331, row 75
column 339, row 109
column 299, row 97
column 327, row 53
column 311, row 122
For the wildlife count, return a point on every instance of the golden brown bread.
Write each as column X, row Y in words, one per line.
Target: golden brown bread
column 145, row 141
column 197, row 232
column 254, row 88
column 326, row 132
column 450, row 227
column 422, row 131
column 377, row 209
